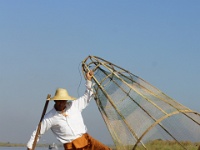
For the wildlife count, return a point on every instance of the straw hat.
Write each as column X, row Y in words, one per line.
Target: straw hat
column 62, row 94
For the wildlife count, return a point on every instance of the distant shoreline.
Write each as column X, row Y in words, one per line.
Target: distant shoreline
column 8, row 144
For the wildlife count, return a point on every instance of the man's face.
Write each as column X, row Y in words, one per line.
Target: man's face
column 60, row 105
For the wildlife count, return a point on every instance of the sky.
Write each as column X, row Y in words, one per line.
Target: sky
column 42, row 45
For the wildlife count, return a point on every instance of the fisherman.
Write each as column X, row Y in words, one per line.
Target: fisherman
column 66, row 122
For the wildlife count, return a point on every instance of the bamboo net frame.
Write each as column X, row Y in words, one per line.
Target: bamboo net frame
column 135, row 112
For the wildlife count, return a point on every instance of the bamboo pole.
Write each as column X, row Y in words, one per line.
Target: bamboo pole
column 39, row 125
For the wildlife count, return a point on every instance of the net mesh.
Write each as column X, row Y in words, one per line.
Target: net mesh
column 138, row 114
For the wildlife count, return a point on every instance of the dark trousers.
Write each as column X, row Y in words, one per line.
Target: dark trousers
column 86, row 142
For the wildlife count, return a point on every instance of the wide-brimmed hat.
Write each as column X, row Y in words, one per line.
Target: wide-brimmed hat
column 62, row 94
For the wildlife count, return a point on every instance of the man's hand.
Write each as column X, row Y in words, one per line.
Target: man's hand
column 89, row 75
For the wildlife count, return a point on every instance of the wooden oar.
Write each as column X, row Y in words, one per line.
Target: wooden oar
column 39, row 125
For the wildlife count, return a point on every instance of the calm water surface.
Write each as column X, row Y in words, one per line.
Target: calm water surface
column 24, row 148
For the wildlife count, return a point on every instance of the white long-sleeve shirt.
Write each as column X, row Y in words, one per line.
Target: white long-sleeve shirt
column 70, row 127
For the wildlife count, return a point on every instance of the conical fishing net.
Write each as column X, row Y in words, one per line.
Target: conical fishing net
column 138, row 115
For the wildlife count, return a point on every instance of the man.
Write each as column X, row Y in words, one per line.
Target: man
column 66, row 122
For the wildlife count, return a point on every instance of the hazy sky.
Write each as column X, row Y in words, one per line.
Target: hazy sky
column 42, row 44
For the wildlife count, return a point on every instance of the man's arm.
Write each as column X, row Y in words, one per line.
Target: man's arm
column 83, row 101
column 46, row 125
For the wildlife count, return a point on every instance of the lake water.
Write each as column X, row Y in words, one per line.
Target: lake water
column 24, row 148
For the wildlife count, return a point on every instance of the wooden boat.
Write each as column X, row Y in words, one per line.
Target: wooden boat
column 53, row 146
